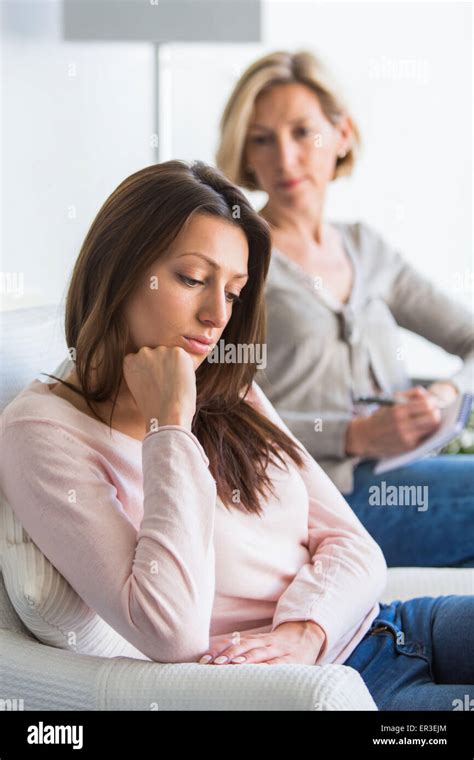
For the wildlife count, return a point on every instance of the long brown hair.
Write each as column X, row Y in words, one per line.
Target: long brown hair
column 133, row 229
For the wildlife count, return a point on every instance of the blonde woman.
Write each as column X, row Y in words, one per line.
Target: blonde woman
column 336, row 293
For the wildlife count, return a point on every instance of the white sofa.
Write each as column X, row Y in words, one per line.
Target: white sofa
column 40, row 677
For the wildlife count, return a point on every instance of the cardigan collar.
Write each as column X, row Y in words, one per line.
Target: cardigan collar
column 326, row 297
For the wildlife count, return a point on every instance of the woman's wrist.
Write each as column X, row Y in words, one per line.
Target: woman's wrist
column 315, row 629
column 318, row 636
column 180, row 421
column 154, row 421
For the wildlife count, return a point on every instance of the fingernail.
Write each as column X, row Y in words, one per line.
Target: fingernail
column 205, row 659
column 239, row 659
column 220, row 660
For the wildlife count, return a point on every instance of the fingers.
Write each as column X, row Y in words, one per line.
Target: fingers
column 412, row 430
column 426, row 410
column 417, row 397
column 421, row 424
column 444, row 392
column 254, row 656
column 417, row 392
column 415, row 419
column 427, row 401
column 244, row 653
column 218, row 645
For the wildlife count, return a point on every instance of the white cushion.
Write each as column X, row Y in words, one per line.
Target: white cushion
column 9, row 620
column 51, row 679
column 32, row 341
column 46, row 603
column 409, row 582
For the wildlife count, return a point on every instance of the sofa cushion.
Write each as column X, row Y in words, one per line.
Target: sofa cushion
column 39, row 597
column 32, row 342
column 9, row 620
column 46, row 603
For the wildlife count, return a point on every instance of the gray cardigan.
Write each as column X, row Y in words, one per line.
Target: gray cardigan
column 321, row 352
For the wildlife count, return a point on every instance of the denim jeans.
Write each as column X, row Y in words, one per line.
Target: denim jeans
column 433, row 525
column 419, row 654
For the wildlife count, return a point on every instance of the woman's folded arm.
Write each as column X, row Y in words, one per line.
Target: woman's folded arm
column 347, row 573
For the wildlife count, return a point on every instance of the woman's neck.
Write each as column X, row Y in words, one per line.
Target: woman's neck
column 302, row 224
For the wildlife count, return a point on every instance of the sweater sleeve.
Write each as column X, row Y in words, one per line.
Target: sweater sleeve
column 155, row 587
column 419, row 306
column 346, row 576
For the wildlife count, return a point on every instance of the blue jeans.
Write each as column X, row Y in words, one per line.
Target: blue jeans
column 428, row 518
column 419, row 655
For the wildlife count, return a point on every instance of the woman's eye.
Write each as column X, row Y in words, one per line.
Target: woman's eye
column 234, row 298
column 260, row 140
column 303, row 132
column 189, row 281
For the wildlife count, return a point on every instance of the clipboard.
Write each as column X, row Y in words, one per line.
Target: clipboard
column 453, row 421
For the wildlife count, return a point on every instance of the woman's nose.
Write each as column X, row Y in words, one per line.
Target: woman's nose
column 215, row 309
column 287, row 153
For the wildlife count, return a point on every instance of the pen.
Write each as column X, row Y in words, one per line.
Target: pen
column 382, row 400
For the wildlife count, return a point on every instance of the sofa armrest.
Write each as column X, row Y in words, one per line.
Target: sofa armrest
column 409, row 582
column 54, row 679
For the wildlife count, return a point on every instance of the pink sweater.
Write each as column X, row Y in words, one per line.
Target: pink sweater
column 137, row 530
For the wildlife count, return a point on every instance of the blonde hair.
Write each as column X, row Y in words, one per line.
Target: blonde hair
column 277, row 68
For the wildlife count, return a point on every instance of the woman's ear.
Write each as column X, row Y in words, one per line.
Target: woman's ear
column 345, row 129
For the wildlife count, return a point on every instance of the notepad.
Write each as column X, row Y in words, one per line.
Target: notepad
column 453, row 420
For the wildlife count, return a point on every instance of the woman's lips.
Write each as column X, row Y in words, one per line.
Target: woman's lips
column 290, row 183
column 197, row 347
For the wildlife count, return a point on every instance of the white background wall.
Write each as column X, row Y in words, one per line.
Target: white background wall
column 406, row 71
column 77, row 118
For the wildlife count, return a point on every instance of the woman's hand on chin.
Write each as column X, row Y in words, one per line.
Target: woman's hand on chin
column 299, row 643
column 162, row 382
